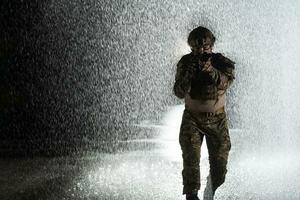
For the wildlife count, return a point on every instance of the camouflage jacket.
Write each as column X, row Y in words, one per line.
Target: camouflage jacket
column 203, row 85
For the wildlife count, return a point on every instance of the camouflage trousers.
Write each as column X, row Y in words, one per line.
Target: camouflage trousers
column 194, row 127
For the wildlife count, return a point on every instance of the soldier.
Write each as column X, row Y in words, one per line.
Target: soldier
column 202, row 78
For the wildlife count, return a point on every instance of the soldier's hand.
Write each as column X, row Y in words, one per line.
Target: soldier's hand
column 207, row 66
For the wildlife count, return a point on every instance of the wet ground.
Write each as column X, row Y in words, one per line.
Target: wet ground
column 152, row 174
column 150, row 169
column 136, row 174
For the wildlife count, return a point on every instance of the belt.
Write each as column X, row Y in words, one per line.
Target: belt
column 210, row 114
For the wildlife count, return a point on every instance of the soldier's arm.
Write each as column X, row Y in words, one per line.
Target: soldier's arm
column 223, row 79
column 182, row 80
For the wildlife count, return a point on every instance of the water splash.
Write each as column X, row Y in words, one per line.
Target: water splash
column 109, row 65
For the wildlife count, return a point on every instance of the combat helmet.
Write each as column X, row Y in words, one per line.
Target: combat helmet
column 201, row 36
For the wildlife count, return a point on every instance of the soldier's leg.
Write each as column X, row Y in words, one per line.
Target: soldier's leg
column 190, row 140
column 218, row 144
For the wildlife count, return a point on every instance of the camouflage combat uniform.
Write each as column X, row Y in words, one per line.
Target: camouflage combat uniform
column 194, row 126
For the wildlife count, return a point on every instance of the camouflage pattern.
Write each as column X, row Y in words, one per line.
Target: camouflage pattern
column 202, row 85
column 193, row 128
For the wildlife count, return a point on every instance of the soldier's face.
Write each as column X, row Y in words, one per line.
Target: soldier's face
column 202, row 46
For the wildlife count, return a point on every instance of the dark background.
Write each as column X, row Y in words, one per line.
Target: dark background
column 80, row 75
column 62, row 87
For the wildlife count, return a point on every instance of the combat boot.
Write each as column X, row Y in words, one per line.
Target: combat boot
column 192, row 197
column 208, row 191
column 208, row 194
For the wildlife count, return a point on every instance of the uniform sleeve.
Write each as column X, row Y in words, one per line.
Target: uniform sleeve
column 182, row 80
column 224, row 77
